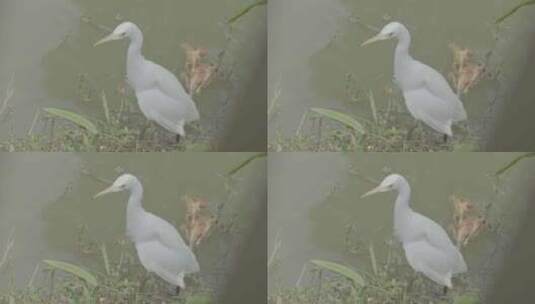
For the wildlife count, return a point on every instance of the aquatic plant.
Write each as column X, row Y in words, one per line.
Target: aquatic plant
column 514, row 10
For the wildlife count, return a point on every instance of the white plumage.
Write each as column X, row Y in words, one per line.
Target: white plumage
column 161, row 97
column 427, row 246
column 159, row 246
column 428, row 96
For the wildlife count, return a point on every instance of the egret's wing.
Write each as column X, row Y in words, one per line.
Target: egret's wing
column 430, row 261
column 169, row 112
column 167, row 236
column 165, row 232
column 437, row 237
column 431, row 110
column 167, row 82
column 164, row 261
column 437, row 85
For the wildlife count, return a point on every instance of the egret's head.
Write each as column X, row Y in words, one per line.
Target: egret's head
column 391, row 182
column 122, row 31
column 122, row 183
column 391, row 30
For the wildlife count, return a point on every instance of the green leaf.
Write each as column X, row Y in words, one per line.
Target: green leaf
column 341, row 270
column 516, row 8
column 105, row 258
column 245, row 163
column 514, row 162
column 74, row 270
column 105, row 107
column 74, row 118
column 245, row 10
column 340, row 117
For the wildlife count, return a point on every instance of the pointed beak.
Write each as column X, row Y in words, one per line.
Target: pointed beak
column 110, row 37
column 373, row 191
column 379, row 37
column 105, row 191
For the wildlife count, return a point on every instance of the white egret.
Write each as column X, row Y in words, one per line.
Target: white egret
column 428, row 96
column 159, row 246
column 161, row 97
column 428, row 248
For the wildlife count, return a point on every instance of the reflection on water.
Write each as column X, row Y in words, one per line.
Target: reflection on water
column 315, row 197
column 46, row 198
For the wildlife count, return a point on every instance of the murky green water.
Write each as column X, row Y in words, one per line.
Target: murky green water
column 48, row 47
column 45, row 198
column 315, row 197
column 314, row 45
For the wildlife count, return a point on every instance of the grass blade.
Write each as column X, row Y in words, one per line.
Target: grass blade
column 245, row 10
column 514, row 162
column 74, row 118
column 345, row 271
column 340, row 117
column 516, row 8
column 245, row 163
column 105, row 107
column 372, row 106
column 105, row 258
column 374, row 260
column 74, row 270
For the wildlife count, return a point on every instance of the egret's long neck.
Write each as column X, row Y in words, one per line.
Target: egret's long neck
column 134, row 209
column 402, row 55
column 134, row 56
column 402, row 210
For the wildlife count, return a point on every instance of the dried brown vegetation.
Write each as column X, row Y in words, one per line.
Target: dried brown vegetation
column 199, row 220
column 466, row 72
column 197, row 74
column 467, row 220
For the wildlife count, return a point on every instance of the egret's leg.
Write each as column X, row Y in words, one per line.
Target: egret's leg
column 180, row 130
column 173, row 290
column 445, row 290
column 445, row 138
